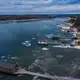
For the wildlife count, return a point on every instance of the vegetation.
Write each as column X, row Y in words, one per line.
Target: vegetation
column 23, row 17
column 75, row 21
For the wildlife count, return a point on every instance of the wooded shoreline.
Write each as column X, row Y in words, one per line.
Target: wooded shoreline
column 24, row 17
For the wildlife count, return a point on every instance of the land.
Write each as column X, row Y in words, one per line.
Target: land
column 75, row 20
column 23, row 18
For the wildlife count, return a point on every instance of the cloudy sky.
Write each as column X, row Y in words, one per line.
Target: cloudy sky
column 39, row 6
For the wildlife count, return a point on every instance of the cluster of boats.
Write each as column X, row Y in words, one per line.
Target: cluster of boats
column 58, row 41
column 72, row 42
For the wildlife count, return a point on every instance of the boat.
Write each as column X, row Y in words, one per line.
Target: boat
column 56, row 38
column 49, row 36
column 65, row 40
column 67, row 28
column 62, row 46
column 42, row 43
column 74, row 38
column 53, row 37
column 75, row 44
column 63, row 27
column 46, row 43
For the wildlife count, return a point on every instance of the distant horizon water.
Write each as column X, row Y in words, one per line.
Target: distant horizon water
column 39, row 14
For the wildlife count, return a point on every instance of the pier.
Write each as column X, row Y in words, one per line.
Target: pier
column 22, row 71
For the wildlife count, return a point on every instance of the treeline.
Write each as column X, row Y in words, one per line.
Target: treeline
column 24, row 17
column 75, row 21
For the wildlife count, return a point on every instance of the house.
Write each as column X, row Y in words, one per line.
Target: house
column 8, row 68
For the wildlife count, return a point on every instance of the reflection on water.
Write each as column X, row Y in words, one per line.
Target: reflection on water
column 55, row 61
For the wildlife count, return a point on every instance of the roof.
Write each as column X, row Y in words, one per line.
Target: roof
column 7, row 65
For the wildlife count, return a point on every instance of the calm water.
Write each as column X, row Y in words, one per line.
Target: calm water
column 13, row 34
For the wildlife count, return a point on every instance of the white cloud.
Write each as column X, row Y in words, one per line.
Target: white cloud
column 25, row 2
column 52, row 9
column 39, row 6
column 62, row 2
column 68, row 7
column 59, row 8
column 39, row 2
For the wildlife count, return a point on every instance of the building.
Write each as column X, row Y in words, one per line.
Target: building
column 8, row 68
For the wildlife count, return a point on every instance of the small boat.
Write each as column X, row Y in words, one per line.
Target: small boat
column 46, row 43
column 49, row 35
column 45, row 49
column 74, row 38
column 62, row 46
column 53, row 37
column 56, row 38
column 42, row 43
column 75, row 44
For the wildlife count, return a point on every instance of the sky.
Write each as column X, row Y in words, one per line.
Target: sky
column 39, row 6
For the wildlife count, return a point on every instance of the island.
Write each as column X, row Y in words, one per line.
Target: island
column 23, row 18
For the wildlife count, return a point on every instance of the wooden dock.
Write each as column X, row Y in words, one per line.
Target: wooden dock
column 22, row 71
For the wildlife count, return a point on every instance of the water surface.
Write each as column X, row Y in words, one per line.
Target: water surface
column 13, row 34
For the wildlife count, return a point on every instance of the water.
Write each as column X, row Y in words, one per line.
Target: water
column 12, row 51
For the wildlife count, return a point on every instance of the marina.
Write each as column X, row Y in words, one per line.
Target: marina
column 24, row 45
column 39, row 40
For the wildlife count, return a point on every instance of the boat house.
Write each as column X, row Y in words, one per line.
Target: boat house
column 8, row 68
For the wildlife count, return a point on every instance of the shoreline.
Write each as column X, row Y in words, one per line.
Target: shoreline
column 23, row 18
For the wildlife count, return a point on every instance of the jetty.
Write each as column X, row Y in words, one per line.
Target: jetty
column 47, row 42
column 22, row 71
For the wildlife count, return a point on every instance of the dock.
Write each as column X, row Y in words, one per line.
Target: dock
column 46, row 42
column 22, row 71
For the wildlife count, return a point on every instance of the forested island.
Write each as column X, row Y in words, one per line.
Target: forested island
column 26, row 18
column 23, row 18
